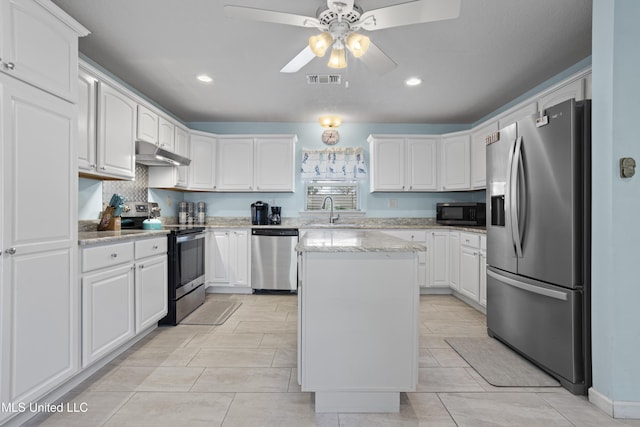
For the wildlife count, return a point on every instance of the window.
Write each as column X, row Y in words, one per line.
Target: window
column 343, row 193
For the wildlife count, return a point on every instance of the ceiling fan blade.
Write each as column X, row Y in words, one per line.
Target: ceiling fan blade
column 301, row 59
column 377, row 60
column 415, row 12
column 272, row 16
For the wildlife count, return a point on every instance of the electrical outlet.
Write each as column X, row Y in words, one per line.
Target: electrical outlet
column 169, row 201
column 393, row 203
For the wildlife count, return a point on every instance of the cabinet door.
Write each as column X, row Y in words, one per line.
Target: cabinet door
column 422, row 164
column 181, row 142
column 274, row 164
column 202, row 155
column 235, row 164
column 116, row 132
column 147, row 129
column 218, row 258
column 107, row 311
column 38, row 48
column 438, row 251
column 570, row 90
column 483, row 279
column 387, row 164
column 456, row 163
column 478, row 154
column 469, row 273
column 151, row 291
column 166, row 131
column 517, row 113
column 454, row 260
column 87, row 93
column 239, row 262
column 38, row 289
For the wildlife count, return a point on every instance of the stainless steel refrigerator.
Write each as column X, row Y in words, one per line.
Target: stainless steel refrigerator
column 538, row 240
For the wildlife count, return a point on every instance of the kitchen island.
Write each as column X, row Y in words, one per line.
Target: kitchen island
column 358, row 319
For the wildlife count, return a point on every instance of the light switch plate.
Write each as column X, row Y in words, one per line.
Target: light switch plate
column 627, row 167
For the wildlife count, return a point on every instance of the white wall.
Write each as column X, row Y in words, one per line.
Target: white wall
column 616, row 208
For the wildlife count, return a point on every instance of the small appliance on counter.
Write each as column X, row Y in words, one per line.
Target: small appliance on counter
column 466, row 213
column 141, row 216
column 259, row 213
column 275, row 218
column 201, row 214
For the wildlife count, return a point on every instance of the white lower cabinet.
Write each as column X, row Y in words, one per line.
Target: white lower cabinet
column 124, row 292
column 473, row 267
column 438, row 256
column 454, row 260
column 107, row 311
column 228, row 258
column 151, row 282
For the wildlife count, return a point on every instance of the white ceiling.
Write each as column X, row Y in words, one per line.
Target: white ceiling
column 495, row 51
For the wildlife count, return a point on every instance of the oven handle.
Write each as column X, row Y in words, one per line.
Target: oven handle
column 181, row 239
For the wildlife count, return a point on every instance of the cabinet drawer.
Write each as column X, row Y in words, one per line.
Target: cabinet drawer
column 470, row 239
column 410, row 235
column 150, row 247
column 97, row 257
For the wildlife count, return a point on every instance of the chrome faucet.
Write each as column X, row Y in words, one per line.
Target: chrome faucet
column 332, row 219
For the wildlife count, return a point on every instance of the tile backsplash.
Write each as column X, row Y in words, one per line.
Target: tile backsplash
column 135, row 190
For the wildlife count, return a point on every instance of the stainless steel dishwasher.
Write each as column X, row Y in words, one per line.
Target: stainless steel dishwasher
column 273, row 259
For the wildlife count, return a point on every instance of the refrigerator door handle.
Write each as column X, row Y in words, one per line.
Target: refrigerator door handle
column 516, row 161
column 508, row 195
column 527, row 287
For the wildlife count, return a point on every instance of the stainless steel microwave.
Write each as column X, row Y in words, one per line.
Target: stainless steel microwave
column 470, row 213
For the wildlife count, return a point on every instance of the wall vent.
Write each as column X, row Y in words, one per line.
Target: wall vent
column 316, row 79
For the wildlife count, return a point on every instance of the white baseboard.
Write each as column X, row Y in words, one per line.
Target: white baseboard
column 615, row 409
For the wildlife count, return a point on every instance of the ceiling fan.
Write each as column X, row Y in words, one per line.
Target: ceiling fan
column 340, row 22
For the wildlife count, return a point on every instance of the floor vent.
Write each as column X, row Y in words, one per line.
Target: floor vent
column 316, row 79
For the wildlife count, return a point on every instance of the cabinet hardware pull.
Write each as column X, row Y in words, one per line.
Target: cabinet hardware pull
column 114, row 255
column 11, row 251
column 155, row 247
column 10, row 66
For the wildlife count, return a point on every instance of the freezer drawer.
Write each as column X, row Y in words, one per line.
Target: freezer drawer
column 541, row 321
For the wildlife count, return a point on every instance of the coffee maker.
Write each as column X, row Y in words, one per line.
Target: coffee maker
column 259, row 213
column 275, row 219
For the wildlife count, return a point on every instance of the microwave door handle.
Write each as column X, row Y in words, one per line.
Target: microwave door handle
column 513, row 197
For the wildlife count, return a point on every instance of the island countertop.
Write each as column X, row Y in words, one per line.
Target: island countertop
column 354, row 241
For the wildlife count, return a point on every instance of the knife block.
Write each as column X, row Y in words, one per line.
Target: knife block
column 108, row 221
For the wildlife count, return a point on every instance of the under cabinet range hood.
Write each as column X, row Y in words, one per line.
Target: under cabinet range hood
column 152, row 155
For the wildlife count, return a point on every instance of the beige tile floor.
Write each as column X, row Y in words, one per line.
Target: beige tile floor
column 243, row 373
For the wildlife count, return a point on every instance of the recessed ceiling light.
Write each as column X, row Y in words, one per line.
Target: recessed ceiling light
column 204, row 78
column 413, row 81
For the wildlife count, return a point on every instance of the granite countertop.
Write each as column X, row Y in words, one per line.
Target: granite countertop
column 355, row 241
column 94, row 237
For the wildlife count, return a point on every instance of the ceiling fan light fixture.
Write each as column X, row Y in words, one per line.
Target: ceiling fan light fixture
column 357, row 44
column 320, row 43
column 338, row 57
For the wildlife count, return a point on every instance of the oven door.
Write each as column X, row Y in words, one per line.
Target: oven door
column 189, row 262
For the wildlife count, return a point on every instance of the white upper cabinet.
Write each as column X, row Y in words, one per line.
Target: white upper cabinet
column 478, row 154
column 574, row 89
column 166, row 134
column 181, row 146
column 116, row 132
column 519, row 112
column 403, row 162
column 455, row 161
column 274, row 163
column 39, row 47
column 87, row 95
column 202, row 154
column 422, row 155
column 235, row 163
column 387, row 163
column 147, row 129
column 256, row 163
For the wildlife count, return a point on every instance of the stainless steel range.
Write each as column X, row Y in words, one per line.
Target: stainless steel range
column 186, row 258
